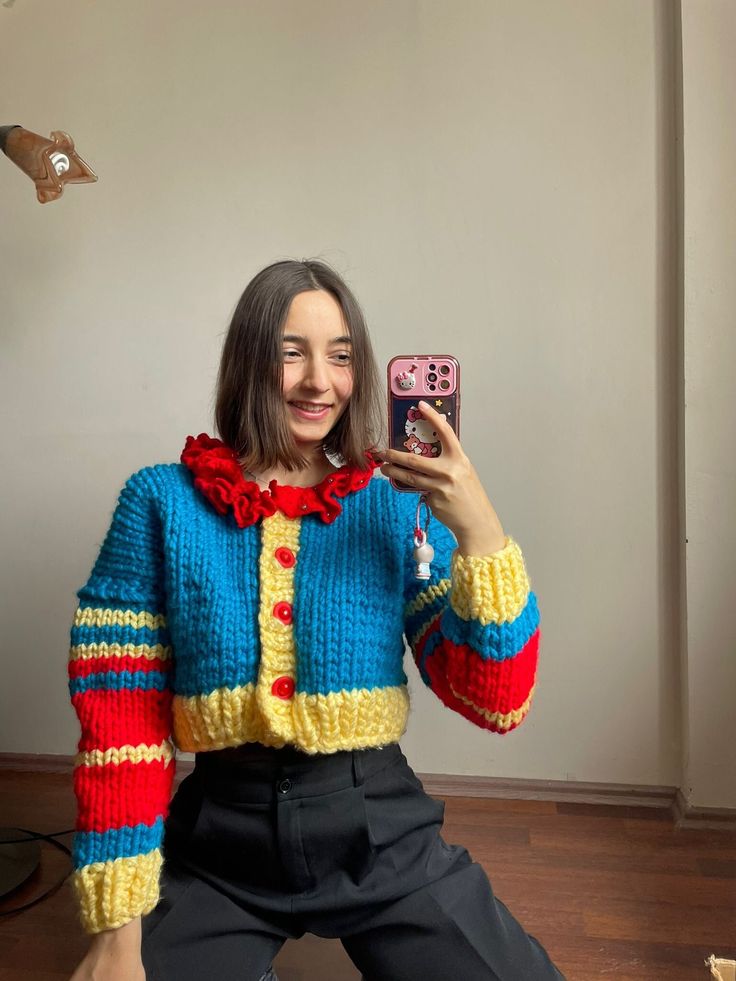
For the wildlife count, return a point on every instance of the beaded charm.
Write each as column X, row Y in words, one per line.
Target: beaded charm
column 423, row 551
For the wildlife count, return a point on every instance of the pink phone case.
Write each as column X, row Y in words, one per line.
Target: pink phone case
column 411, row 377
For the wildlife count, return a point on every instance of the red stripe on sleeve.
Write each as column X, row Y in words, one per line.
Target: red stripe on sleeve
column 491, row 686
column 83, row 667
column 119, row 718
column 117, row 794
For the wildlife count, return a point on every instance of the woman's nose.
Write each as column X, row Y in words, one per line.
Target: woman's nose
column 315, row 375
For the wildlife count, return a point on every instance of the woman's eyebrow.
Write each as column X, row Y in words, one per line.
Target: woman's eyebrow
column 335, row 340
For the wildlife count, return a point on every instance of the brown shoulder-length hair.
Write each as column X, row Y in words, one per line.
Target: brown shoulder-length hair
column 250, row 412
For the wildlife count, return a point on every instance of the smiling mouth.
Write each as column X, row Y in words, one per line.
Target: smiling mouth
column 316, row 408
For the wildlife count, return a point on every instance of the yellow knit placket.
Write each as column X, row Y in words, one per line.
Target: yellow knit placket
column 277, row 670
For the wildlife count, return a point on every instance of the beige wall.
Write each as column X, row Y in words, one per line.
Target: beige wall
column 494, row 178
column 708, row 263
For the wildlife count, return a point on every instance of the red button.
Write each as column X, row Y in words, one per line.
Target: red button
column 283, row 687
column 286, row 557
column 282, row 612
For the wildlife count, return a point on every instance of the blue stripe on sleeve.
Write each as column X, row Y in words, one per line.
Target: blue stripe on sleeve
column 119, row 635
column 96, row 846
column 499, row 641
column 494, row 640
column 120, row 681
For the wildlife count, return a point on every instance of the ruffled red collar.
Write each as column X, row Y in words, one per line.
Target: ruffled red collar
column 218, row 475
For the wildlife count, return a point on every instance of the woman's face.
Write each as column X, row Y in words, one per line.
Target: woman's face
column 318, row 372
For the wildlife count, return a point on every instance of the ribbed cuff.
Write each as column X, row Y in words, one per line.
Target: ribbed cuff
column 490, row 588
column 111, row 894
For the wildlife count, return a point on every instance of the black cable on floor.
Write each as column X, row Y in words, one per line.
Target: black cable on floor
column 37, row 836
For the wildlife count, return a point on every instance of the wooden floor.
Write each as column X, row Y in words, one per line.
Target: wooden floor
column 610, row 892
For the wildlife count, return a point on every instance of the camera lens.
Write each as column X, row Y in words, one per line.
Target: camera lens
column 444, row 369
column 432, row 377
column 432, row 388
column 444, row 385
column 432, row 367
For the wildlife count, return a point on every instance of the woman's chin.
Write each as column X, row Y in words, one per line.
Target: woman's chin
column 307, row 437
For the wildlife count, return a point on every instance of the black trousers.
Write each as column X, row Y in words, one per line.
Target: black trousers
column 263, row 845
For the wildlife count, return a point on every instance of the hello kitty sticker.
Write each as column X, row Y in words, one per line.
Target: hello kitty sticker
column 422, row 437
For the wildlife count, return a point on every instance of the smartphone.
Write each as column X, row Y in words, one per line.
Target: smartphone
column 434, row 378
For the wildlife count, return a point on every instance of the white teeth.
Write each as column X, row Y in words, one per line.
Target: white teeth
column 309, row 408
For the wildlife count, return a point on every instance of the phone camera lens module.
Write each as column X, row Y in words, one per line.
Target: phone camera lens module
column 444, row 385
column 432, row 377
column 444, row 369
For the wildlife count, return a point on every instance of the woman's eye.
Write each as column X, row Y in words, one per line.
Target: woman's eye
column 344, row 358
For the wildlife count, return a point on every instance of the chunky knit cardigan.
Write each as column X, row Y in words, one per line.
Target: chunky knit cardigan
column 218, row 614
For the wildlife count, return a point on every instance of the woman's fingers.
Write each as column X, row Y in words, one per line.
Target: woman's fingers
column 416, row 478
column 448, row 438
column 446, row 460
column 424, row 473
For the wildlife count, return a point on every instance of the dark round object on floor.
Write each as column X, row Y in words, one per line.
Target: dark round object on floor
column 18, row 859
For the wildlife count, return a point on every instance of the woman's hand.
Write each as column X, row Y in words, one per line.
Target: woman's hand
column 113, row 955
column 452, row 489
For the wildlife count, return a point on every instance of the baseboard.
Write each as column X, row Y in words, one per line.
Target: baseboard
column 669, row 800
column 36, row 762
column 512, row 788
column 688, row 816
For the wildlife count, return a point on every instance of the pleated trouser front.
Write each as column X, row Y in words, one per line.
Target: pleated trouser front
column 263, row 845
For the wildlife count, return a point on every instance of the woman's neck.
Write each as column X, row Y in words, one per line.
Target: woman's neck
column 315, row 473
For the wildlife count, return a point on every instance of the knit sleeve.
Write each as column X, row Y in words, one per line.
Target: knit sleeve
column 120, row 684
column 473, row 628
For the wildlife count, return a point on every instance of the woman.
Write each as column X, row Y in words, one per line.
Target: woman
column 249, row 605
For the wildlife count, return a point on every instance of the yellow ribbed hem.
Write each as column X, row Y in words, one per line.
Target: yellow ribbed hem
column 115, row 892
column 353, row 719
column 490, row 588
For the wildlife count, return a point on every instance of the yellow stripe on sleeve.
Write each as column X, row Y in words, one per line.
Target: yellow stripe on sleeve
column 498, row 719
column 100, row 617
column 149, row 652
column 427, row 596
column 116, row 755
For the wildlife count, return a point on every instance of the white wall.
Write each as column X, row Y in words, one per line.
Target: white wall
column 493, row 178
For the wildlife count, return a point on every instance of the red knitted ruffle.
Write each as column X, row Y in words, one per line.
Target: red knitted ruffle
column 218, row 475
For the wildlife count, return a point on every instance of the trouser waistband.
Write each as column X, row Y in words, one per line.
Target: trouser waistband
column 254, row 772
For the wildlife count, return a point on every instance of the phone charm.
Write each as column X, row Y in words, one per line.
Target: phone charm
column 423, row 551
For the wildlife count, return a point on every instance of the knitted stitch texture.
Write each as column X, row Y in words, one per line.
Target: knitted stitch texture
column 195, row 632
